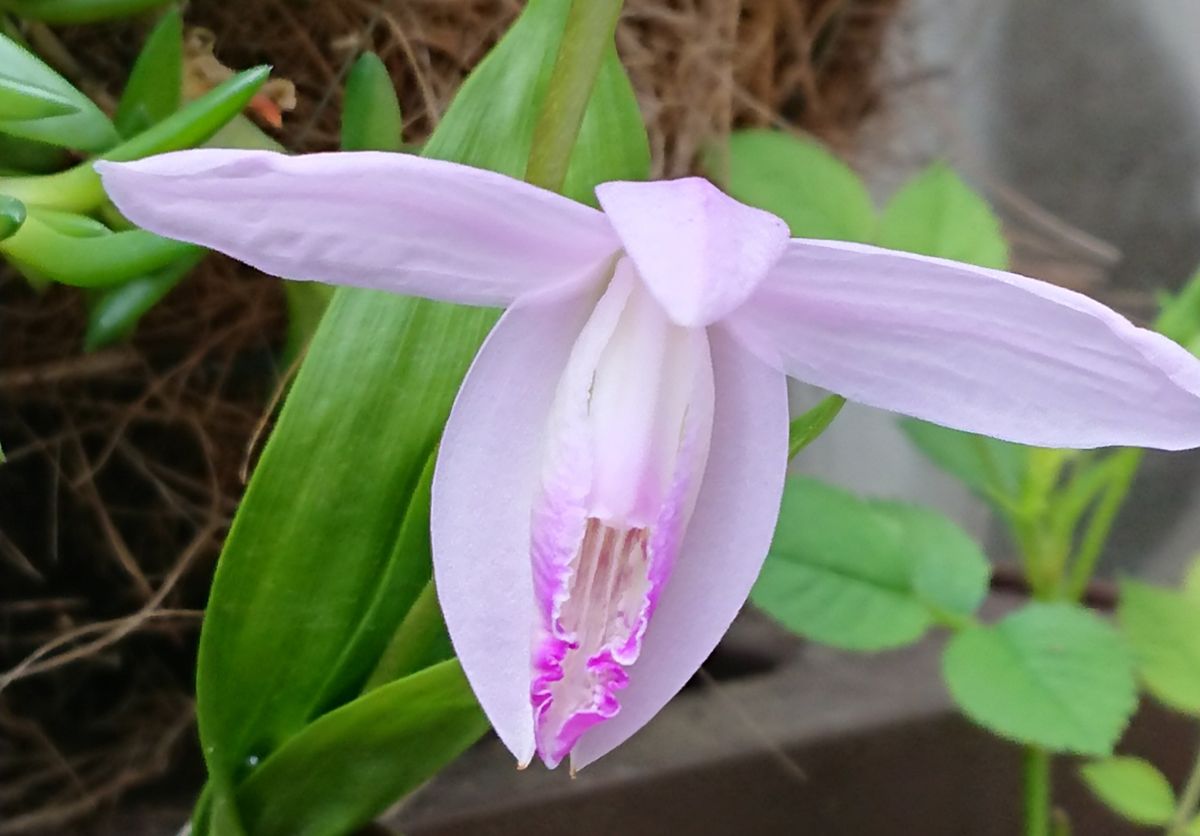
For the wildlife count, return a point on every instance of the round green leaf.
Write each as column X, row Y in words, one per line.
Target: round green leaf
column 799, row 180
column 865, row 575
column 1133, row 788
column 1163, row 629
column 937, row 214
column 1052, row 675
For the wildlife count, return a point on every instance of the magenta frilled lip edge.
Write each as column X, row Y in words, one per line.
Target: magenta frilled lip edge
column 610, row 475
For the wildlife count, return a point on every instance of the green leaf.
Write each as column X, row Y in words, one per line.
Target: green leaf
column 319, row 525
column 12, row 215
column 371, row 118
column 1163, row 629
column 97, row 261
column 797, row 179
column 1132, row 787
column 407, row 573
column 937, row 214
column 79, row 189
column 866, row 575
column 1179, row 318
column 988, row 466
column 804, row 430
column 115, row 314
column 351, row 764
column 79, row 11
column 1050, row 675
column 83, row 126
column 20, row 100
column 27, row 156
column 155, row 84
column 1191, row 582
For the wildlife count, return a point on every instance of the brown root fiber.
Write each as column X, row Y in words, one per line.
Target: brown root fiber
column 123, row 468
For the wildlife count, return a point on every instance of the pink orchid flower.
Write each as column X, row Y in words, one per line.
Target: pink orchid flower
column 611, row 472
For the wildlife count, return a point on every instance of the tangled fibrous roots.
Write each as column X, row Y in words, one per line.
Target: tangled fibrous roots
column 125, row 465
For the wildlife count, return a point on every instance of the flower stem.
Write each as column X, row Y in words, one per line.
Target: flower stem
column 1189, row 801
column 586, row 37
column 1125, row 467
column 1037, row 791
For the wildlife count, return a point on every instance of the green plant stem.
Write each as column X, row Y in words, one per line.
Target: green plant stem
column 1125, row 467
column 1189, row 801
column 587, row 35
column 1037, row 791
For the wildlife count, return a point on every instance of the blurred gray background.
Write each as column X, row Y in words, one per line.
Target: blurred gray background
column 1080, row 121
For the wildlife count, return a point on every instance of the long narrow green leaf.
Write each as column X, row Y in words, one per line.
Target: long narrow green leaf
column 83, row 127
column 12, row 215
column 19, row 156
column 116, row 313
column 371, row 119
column 90, row 261
column 805, row 429
column 155, row 84
column 320, row 521
column 80, row 11
column 350, row 765
column 20, row 100
column 79, row 189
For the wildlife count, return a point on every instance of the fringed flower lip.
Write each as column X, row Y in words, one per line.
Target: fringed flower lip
column 611, row 472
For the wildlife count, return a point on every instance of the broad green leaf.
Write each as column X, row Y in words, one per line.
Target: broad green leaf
column 155, row 84
column 97, row 261
column 83, row 127
column 370, row 111
column 799, row 180
column 1191, row 581
column 804, row 430
column 866, row 575
column 351, row 764
column 1052, row 675
column 12, row 215
column 1132, row 787
column 988, row 466
column 1179, row 318
column 1163, row 629
column 318, row 528
column 406, row 574
column 20, row 100
column 115, row 313
column 79, row 11
column 937, row 214
column 79, row 189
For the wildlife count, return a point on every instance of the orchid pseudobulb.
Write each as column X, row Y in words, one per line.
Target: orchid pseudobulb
column 611, row 472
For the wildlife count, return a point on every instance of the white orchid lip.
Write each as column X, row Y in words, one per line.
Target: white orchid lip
column 610, row 475
column 626, row 447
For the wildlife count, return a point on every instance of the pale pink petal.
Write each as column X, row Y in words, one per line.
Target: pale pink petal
column 625, row 457
column 393, row 222
column 975, row 349
column 724, row 545
column 699, row 251
column 487, row 474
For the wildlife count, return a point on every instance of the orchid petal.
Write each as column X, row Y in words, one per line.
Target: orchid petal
column 723, row 550
column 699, row 251
column 483, row 488
column 393, row 222
column 971, row 348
